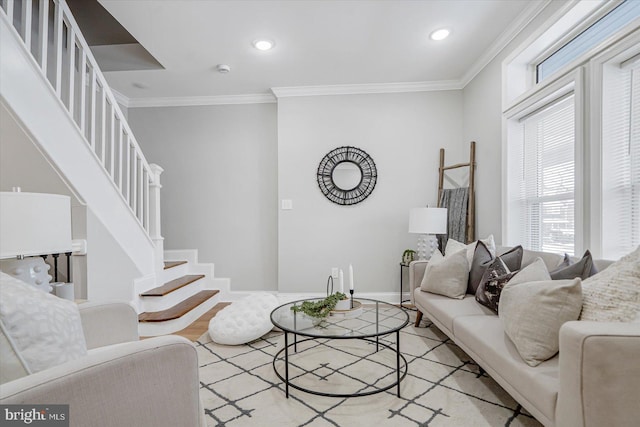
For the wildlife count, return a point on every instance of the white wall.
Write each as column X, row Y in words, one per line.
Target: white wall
column 110, row 272
column 219, row 190
column 22, row 164
column 482, row 110
column 483, row 124
column 403, row 134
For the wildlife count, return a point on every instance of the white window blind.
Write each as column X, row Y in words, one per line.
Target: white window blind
column 546, row 211
column 621, row 160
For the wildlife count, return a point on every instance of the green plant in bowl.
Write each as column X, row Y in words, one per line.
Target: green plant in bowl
column 408, row 256
column 319, row 309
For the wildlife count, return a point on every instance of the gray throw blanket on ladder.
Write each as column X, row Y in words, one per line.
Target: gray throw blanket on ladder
column 456, row 201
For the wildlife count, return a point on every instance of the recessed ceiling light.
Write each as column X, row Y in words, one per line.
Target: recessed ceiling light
column 440, row 34
column 263, row 44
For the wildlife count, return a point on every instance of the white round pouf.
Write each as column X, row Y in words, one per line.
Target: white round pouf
column 244, row 320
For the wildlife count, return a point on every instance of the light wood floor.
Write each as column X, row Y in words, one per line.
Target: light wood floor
column 201, row 325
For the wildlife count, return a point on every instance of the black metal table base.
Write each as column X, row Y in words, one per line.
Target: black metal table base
column 402, row 306
column 400, row 373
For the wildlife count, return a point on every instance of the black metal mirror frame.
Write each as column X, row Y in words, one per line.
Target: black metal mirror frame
column 340, row 196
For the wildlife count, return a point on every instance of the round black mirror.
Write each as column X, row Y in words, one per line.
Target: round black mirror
column 347, row 175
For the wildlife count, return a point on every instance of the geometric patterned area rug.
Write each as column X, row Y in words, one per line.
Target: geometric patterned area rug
column 443, row 386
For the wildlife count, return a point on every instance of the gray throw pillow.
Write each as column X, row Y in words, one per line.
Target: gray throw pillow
column 583, row 269
column 454, row 246
column 481, row 260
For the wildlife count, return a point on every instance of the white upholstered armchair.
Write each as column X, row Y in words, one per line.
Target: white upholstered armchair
column 121, row 381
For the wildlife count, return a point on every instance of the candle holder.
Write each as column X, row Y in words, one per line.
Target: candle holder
column 351, row 292
column 330, row 286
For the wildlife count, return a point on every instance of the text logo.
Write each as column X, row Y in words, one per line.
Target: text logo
column 34, row 415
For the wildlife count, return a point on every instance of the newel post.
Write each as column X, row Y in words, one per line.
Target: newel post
column 154, row 215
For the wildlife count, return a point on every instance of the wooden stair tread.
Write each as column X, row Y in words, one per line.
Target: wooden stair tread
column 172, row 285
column 170, row 264
column 177, row 310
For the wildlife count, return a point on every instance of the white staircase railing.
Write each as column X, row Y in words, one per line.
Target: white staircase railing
column 73, row 73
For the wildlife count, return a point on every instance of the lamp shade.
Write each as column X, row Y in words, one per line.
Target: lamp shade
column 34, row 224
column 428, row 220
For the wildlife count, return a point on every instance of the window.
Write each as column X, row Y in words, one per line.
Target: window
column 621, row 158
column 608, row 25
column 572, row 141
column 546, row 188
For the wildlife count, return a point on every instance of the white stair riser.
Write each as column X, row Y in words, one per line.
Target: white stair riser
column 206, row 269
column 189, row 255
column 173, row 273
column 151, row 329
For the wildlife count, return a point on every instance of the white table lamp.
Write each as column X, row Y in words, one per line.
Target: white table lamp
column 427, row 222
column 33, row 224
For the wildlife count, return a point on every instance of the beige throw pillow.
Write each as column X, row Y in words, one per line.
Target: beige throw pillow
column 498, row 275
column 453, row 246
column 534, row 272
column 447, row 275
column 613, row 295
column 533, row 312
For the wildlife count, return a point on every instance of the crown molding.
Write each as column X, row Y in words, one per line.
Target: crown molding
column 371, row 88
column 181, row 101
column 122, row 99
column 525, row 17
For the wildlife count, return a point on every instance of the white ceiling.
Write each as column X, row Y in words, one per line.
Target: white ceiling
column 328, row 42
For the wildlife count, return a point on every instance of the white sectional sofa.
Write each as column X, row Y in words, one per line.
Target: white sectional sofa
column 594, row 380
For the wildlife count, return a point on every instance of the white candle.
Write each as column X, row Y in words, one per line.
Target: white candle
column 341, row 281
column 350, row 277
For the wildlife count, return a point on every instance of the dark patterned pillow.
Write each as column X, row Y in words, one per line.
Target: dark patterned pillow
column 583, row 269
column 482, row 260
column 493, row 281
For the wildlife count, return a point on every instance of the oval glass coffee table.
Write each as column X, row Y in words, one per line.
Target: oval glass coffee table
column 371, row 324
